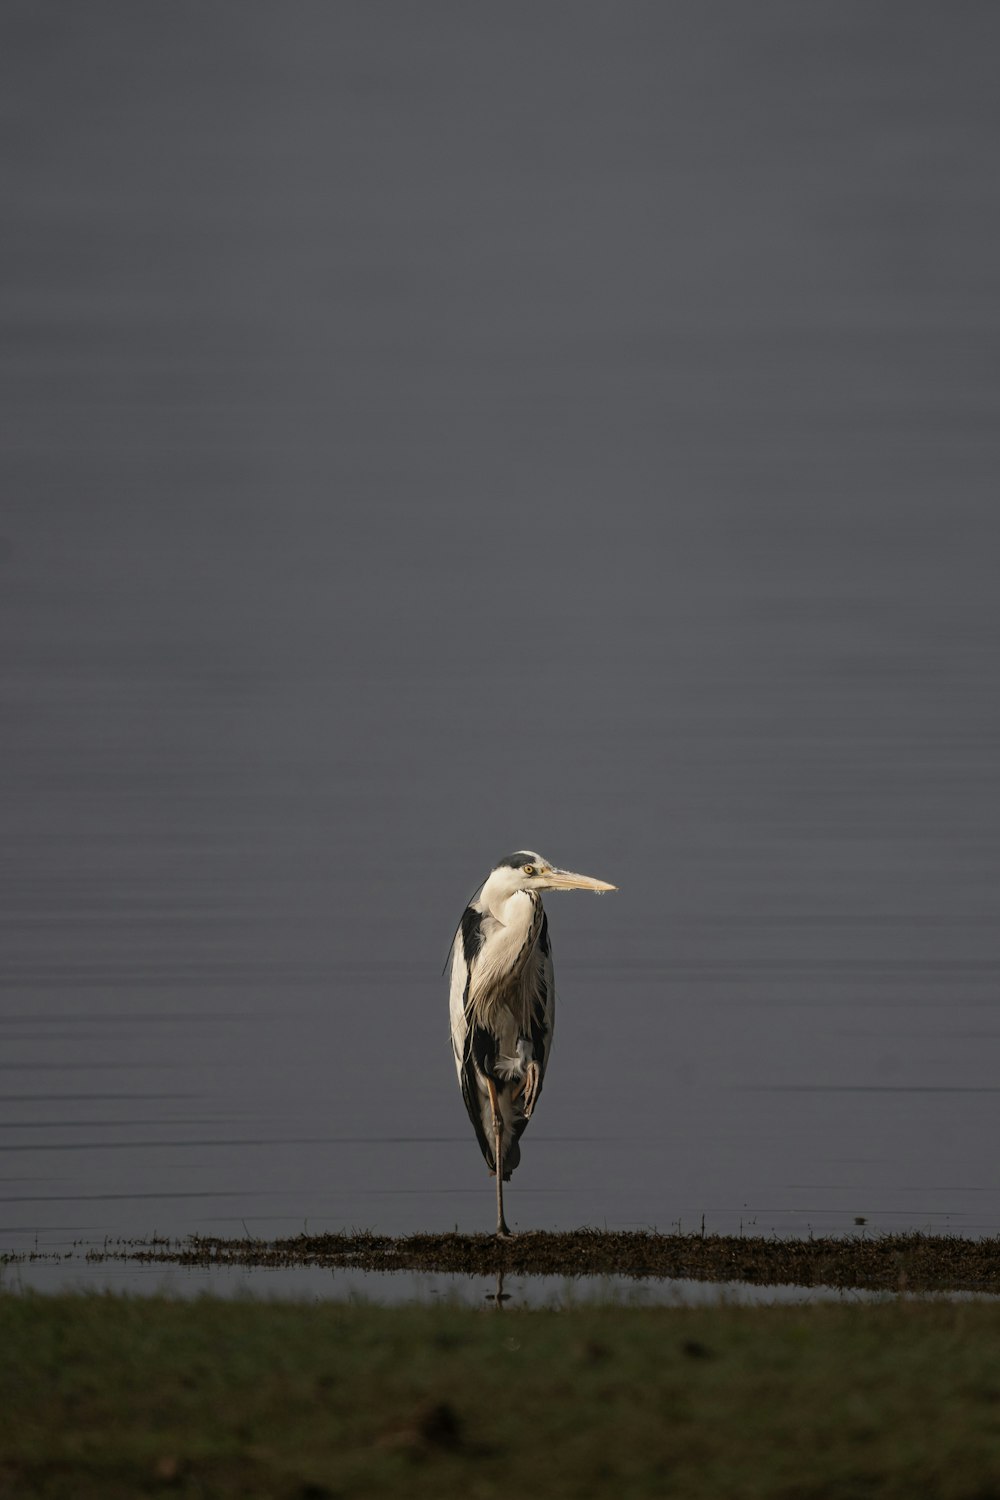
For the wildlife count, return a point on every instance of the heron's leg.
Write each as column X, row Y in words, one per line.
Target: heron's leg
column 532, row 1074
column 498, row 1149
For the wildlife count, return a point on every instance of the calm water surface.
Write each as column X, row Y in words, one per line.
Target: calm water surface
column 427, row 434
column 310, row 1283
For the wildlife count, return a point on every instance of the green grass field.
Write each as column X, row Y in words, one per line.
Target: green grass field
column 107, row 1397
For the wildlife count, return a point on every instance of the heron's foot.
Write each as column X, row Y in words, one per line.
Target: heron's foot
column 532, row 1076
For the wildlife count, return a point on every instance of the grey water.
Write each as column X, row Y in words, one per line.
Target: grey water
column 433, row 431
column 427, row 1288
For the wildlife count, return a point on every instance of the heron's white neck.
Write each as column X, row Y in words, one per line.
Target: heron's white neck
column 504, row 901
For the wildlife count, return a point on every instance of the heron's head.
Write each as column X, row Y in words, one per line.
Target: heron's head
column 527, row 871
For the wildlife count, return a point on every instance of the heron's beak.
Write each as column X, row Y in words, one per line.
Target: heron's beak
column 565, row 880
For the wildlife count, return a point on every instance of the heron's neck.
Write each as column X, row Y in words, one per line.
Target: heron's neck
column 510, row 908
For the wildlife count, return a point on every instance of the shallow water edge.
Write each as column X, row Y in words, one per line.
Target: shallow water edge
column 886, row 1263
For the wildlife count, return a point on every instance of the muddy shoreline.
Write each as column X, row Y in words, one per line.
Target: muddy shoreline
column 897, row 1263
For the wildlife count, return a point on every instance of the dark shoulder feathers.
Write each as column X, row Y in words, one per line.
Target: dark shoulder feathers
column 472, row 933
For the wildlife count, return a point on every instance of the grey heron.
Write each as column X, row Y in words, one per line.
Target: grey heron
column 503, row 1003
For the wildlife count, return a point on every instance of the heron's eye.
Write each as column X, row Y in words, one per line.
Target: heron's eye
column 528, row 869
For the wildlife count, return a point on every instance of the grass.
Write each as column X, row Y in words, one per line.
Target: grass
column 112, row 1397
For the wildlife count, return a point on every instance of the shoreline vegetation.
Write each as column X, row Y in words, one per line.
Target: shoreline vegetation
column 893, row 1263
column 107, row 1396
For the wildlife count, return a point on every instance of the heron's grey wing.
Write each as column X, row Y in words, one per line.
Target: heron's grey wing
column 468, row 941
column 542, row 1015
column 456, row 1002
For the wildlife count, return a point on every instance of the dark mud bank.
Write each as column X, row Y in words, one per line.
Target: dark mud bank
column 914, row 1262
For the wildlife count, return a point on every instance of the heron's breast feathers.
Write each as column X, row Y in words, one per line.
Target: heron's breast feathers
column 506, row 973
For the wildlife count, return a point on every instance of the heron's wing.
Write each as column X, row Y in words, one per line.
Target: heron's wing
column 477, row 1105
column 542, row 1009
column 468, row 941
column 456, row 1002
